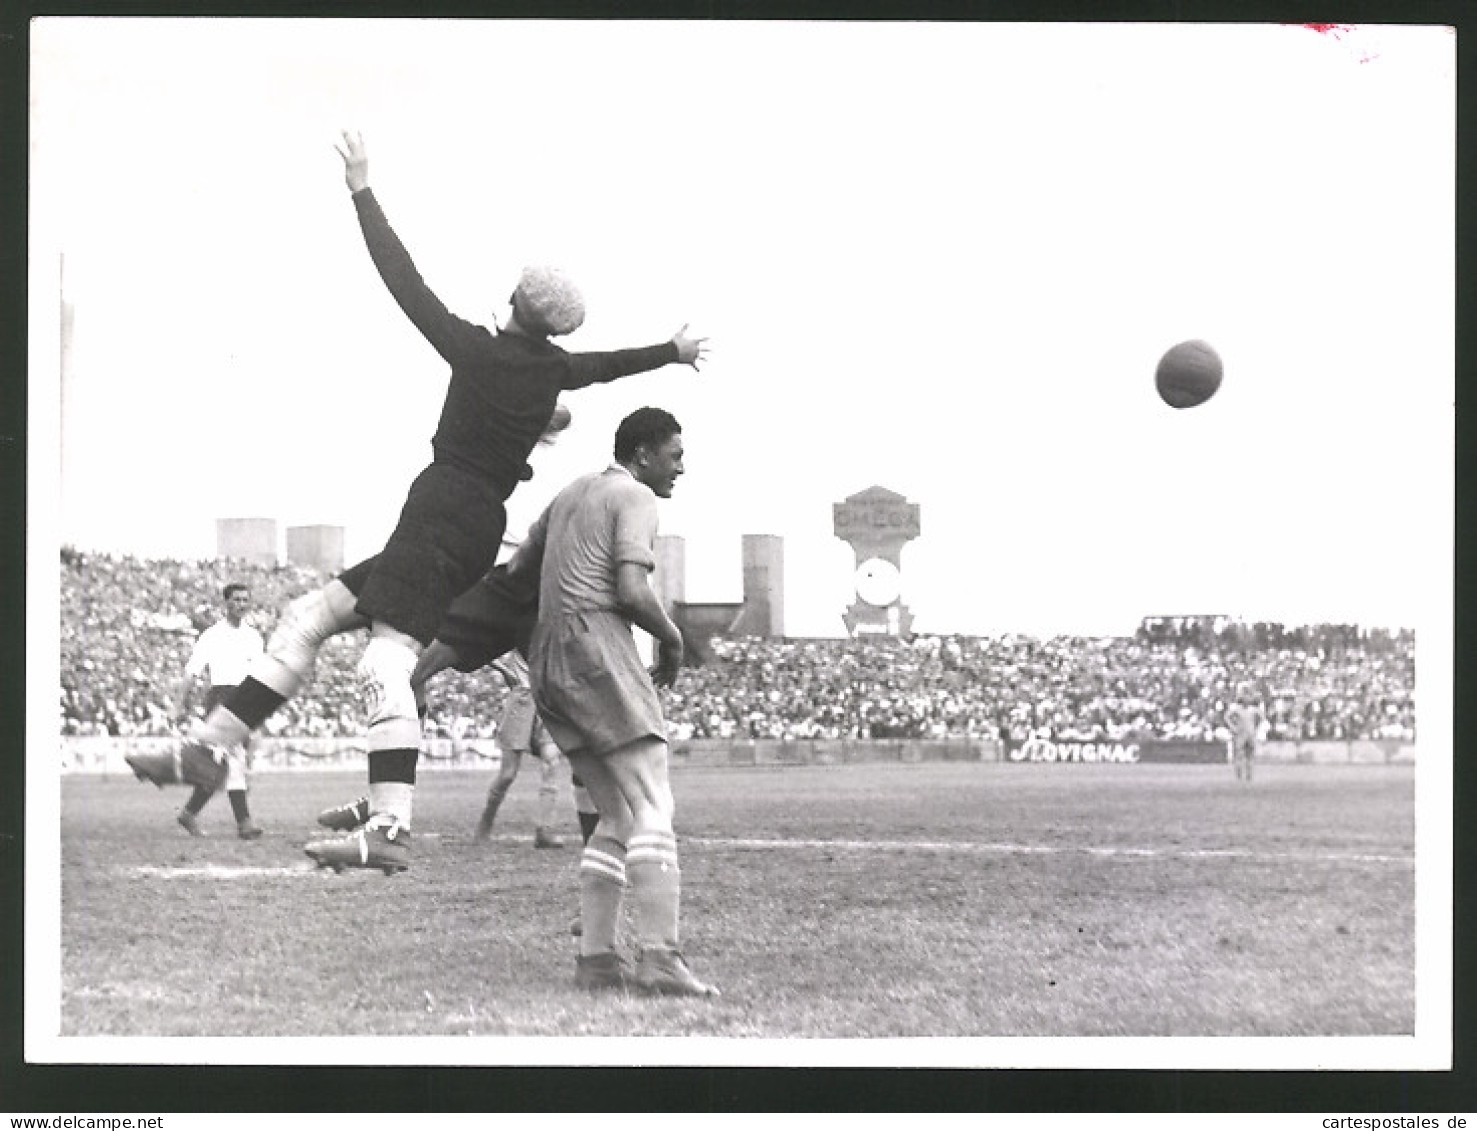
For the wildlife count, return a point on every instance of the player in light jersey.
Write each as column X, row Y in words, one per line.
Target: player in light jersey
column 223, row 654
column 1247, row 723
column 595, row 547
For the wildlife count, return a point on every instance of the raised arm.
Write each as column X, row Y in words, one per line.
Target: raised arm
column 598, row 368
column 445, row 331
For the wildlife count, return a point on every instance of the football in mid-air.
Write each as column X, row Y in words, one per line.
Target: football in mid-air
column 1188, row 374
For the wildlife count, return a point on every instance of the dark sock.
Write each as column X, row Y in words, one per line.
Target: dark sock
column 237, row 798
column 495, row 794
column 392, row 783
column 393, row 765
column 198, row 799
column 588, row 821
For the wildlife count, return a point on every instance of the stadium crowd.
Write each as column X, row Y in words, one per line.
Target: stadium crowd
column 127, row 626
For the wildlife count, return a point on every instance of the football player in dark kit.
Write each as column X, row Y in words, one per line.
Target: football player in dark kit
column 502, row 394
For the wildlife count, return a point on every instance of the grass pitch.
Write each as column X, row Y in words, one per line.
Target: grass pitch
column 857, row 901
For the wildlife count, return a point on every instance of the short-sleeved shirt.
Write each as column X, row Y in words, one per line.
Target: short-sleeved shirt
column 1244, row 722
column 592, row 688
column 595, row 524
column 226, row 652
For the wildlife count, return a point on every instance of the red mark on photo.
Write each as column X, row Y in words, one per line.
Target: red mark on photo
column 1341, row 32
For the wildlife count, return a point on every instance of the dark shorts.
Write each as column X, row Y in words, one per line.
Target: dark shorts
column 355, row 576
column 593, row 692
column 494, row 616
column 215, row 695
column 448, row 536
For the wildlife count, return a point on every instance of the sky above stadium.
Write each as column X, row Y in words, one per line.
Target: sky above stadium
column 943, row 260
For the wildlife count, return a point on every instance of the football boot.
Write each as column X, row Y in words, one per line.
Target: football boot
column 605, row 971
column 346, row 818
column 382, row 842
column 662, row 970
column 190, row 763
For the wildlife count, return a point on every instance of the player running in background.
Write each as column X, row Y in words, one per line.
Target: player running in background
column 1247, row 723
column 595, row 547
column 222, row 655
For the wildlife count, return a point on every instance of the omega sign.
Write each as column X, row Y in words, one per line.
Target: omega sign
column 1045, row 750
column 877, row 523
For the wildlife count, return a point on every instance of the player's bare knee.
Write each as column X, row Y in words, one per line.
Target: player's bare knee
column 617, row 824
column 605, row 794
column 653, row 809
column 641, row 771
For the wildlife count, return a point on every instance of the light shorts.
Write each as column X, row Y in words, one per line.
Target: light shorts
column 592, row 689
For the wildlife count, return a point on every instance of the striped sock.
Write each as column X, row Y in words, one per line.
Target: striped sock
column 656, row 888
column 602, row 890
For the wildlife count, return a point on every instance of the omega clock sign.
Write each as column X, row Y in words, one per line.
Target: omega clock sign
column 876, row 523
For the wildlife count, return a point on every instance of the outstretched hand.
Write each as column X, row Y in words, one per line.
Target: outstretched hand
column 689, row 350
column 356, row 161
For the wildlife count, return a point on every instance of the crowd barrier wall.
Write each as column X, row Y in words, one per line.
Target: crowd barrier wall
column 103, row 755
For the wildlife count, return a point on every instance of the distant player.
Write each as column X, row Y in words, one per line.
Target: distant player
column 1247, row 722
column 222, row 654
column 521, row 732
column 595, row 546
